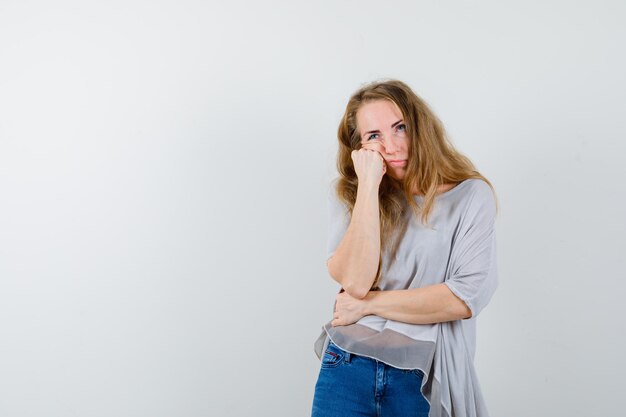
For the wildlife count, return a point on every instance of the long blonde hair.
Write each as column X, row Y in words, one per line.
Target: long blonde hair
column 432, row 162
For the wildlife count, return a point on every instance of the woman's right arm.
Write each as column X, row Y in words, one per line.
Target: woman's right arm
column 355, row 261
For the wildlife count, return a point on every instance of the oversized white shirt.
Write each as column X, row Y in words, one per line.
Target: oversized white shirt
column 459, row 249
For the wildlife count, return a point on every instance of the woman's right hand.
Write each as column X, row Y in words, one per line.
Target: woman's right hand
column 369, row 165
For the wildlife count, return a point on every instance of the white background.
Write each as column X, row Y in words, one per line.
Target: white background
column 163, row 178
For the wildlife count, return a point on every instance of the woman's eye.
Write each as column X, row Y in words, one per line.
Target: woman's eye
column 402, row 126
column 371, row 136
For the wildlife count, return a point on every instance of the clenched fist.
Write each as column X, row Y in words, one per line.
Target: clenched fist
column 369, row 165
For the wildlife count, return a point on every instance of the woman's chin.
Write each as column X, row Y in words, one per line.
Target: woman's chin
column 396, row 173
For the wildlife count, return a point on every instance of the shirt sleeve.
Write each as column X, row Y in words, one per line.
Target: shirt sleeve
column 474, row 275
column 338, row 220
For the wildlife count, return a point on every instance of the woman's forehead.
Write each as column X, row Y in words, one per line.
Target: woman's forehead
column 377, row 114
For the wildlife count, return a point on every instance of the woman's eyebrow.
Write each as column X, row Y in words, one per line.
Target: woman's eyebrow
column 378, row 131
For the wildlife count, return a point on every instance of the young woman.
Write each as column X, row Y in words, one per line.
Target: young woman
column 412, row 244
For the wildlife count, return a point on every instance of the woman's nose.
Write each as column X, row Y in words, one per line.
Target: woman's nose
column 390, row 144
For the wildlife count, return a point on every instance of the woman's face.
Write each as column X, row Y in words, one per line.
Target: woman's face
column 381, row 128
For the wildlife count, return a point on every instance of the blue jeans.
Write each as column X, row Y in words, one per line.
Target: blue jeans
column 353, row 385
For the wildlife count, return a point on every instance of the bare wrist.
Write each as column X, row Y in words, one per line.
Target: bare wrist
column 368, row 303
column 367, row 188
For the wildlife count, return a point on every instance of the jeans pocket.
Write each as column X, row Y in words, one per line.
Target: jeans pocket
column 418, row 372
column 333, row 356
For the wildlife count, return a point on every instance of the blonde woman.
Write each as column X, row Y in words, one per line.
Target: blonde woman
column 412, row 244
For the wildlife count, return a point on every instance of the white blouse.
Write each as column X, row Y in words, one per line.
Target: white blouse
column 460, row 251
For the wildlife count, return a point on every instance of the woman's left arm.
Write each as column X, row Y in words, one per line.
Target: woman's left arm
column 430, row 304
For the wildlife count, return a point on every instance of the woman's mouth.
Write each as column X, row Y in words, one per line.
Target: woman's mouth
column 397, row 163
